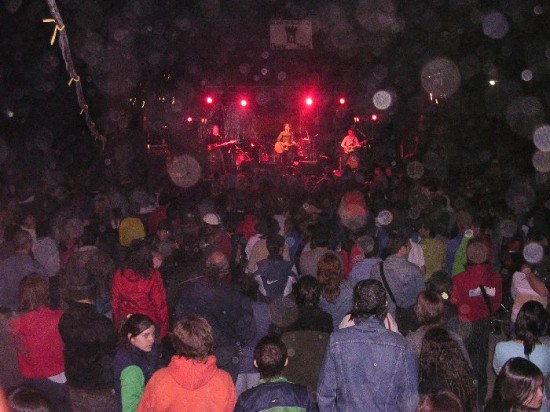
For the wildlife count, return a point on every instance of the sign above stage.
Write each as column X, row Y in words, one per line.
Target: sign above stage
column 291, row 34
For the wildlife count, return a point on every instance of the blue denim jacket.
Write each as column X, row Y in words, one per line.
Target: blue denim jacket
column 368, row 368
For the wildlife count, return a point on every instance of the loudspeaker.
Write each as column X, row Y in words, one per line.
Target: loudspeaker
column 309, row 167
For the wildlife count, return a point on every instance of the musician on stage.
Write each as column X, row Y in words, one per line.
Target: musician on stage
column 349, row 144
column 216, row 158
column 285, row 145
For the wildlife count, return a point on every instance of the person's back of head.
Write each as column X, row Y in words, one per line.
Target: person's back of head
column 440, row 401
column 531, row 324
column 217, row 266
column 270, row 357
column 192, row 338
column 440, row 282
column 274, row 244
column 369, row 299
column 140, row 258
column 307, row 291
column 80, row 285
column 25, row 399
column 33, row 292
column 329, row 274
column 367, row 245
column 22, row 241
column 430, row 308
column 90, row 235
column 320, row 236
column 398, row 244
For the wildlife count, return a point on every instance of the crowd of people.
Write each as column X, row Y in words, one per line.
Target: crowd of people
column 259, row 290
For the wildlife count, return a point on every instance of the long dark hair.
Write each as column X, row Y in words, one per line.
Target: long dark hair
column 531, row 324
column 329, row 273
column 517, row 381
column 134, row 325
column 442, row 361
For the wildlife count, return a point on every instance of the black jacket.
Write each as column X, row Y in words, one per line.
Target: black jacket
column 89, row 346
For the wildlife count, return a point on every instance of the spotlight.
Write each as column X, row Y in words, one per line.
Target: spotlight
column 209, row 100
column 342, row 100
column 309, row 101
column 189, row 119
column 374, row 117
column 243, row 102
column 492, row 82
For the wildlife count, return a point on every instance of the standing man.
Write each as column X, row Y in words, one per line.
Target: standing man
column 285, row 145
column 477, row 293
column 216, row 158
column 16, row 267
column 349, row 144
column 367, row 366
column 404, row 279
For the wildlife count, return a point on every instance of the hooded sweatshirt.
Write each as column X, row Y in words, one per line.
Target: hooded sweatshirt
column 187, row 385
column 132, row 293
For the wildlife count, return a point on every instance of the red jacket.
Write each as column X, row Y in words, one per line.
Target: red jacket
column 38, row 343
column 466, row 292
column 132, row 293
column 188, row 386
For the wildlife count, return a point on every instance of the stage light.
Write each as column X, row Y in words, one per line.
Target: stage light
column 342, row 100
column 374, row 117
column 243, row 102
column 209, row 100
column 309, row 101
column 189, row 119
column 356, row 119
column 492, row 82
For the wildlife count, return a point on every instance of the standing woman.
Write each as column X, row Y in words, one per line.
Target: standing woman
column 138, row 288
column 38, row 343
column 135, row 361
column 531, row 324
column 442, row 366
column 336, row 293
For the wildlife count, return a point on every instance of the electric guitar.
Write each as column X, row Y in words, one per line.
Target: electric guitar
column 213, row 146
column 352, row 148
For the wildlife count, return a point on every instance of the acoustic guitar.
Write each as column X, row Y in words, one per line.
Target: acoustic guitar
column 281, row 147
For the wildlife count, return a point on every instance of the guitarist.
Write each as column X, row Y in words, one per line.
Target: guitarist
column 285, row 145
column 216, row 158
column 349, row 144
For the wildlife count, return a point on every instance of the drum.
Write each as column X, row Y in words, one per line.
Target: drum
column 353, row 160
column 242, row 157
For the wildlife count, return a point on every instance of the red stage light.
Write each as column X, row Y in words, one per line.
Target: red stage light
column 209, row 100
column 309, row 101
column 244, row 103
column 374, row 117
column 342, row 100
column 189, row 119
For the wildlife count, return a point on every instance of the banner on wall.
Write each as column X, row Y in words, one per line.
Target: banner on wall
column 290, row 35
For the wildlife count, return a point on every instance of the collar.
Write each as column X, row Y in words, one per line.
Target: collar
column 279, row 379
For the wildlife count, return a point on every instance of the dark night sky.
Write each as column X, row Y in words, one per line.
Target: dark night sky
column 180, row 50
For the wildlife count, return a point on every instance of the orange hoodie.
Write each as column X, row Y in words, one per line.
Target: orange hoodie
column 188, row 386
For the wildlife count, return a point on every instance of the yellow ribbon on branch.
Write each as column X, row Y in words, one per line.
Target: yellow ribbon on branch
column 74, row 79
column 57, row 28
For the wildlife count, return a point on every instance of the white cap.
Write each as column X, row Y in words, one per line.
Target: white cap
column 211, row 219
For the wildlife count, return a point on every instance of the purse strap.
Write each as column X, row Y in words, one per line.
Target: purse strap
column 385, row 282
column 486, row 299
